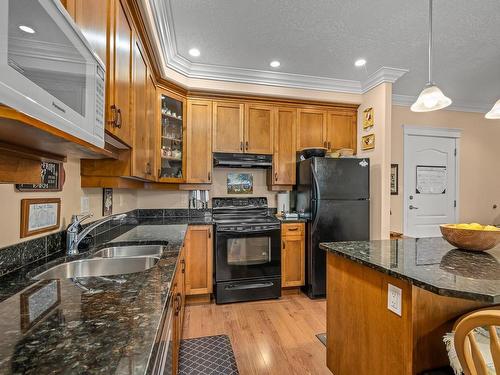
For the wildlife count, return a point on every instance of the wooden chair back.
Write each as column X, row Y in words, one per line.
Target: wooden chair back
column 466, row 346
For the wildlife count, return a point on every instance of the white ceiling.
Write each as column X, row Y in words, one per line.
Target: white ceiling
column 318, row 41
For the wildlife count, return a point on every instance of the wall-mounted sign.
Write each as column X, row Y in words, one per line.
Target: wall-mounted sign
column 51, row 178
column 431, row 179
column 394, row 179
column 239, row 183
column 39, row 215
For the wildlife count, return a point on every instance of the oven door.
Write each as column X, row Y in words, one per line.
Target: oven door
column 246, row 254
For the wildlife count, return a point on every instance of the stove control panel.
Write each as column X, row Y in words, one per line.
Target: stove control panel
column 260, row 202
column 248, row 228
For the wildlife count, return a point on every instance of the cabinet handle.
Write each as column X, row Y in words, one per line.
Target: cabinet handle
column 283, row 245
column 183, row 262
column 292, row 229
column 148, row 168
column 325, row 144
column 241, row 146
column 276, row 176
column 178, row 300
column 118, row 118
column 246, row 144
column 329, row 145
column 209, row 234
column 112, row 121
column 209, row 176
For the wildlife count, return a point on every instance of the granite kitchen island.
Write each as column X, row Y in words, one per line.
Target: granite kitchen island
column 436, row 284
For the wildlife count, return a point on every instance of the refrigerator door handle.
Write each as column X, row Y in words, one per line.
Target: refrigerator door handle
column 316, row 201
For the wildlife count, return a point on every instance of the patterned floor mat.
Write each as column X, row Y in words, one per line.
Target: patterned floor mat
column 211, row 355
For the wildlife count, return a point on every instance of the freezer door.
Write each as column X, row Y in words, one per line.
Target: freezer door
column 346, row 178
column 335, row 221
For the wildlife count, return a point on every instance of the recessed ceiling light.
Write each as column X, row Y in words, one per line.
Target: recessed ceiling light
column 27, row 29
column 275, row 64
column 360, row 62
column 194, row 52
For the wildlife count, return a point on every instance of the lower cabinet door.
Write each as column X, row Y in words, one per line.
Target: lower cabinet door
column 199, row 260
column 292, row 261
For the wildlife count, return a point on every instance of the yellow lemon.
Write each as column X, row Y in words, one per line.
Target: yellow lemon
column 491, row 228
column 475, row 226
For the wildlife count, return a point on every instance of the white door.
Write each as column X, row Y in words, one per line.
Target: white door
column 430, row 192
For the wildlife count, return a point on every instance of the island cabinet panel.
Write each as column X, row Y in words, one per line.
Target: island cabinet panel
column 178, row 294
column 120, row 78
column 311, row 130
column 199, row 141
column 284, row 155
column 364, row 337
column 259, row 128
column 228, row 119
column 292, row 255
column 341, row 130
column 199, row 260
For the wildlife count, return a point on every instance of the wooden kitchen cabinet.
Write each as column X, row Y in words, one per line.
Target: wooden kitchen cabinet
column 152, row 128
column 341, row 130
column 178, row 293
column 228, row 119
column 284, row 166
column 293, row 255
column 199, row 141
column 311, row 128
column 199, row 260
column 259, row 129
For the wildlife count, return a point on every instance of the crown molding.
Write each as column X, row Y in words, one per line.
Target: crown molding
column 408, row 100
column 160, row 15
column 383, row 75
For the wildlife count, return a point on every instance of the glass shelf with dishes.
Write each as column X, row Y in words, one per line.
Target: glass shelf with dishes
column 172, row 139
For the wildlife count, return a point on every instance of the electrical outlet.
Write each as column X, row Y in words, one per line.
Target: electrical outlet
column 84, row 205
column 394, row 299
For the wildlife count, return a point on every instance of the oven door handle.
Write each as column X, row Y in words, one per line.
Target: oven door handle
column 241, row 233
column 249, row 286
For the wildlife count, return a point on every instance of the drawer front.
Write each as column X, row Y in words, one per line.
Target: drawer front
column 292, row 229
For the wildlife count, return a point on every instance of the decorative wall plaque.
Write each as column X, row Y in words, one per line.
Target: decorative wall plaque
column 39, row 215
column 51, row 178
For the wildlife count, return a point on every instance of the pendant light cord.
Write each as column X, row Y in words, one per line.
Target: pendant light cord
column 430, row 42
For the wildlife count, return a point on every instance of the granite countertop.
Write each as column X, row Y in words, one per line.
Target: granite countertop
column 299, row 220
column 98, row 325
column 431, row 264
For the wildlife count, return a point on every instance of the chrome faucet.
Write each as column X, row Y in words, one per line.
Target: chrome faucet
column 73, row 238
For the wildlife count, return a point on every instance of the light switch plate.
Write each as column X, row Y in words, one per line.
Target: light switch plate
column 84, row 205
column 394, row 299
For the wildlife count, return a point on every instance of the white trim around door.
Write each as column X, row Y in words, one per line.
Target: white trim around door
column 427, row 131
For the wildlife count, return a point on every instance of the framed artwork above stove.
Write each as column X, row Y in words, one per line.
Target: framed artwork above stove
column 240, row 183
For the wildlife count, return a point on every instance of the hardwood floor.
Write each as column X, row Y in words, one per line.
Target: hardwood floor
column 268, row 337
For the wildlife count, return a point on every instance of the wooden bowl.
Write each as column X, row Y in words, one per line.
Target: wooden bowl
column 470, row 239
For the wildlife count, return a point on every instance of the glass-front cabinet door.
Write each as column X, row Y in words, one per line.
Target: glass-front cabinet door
column 172, row 139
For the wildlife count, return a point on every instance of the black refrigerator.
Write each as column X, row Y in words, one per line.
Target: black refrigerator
column 334, row 194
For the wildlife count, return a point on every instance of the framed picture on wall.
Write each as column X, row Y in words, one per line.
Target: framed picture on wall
column 39, row 215
column 394, row 179
column 51, row 178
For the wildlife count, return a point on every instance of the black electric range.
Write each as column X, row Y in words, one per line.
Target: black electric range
column 247, row 250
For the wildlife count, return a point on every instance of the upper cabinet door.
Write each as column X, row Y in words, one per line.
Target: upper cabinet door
column 119, row 92
column 140, row 136
column 92, row 17
column 284, row 157
column 199, row 141
column 259, row 127
column 227, row 127
column 341, row 130
column 311, row 130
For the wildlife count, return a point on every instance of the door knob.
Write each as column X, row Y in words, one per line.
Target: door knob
column 412, row 207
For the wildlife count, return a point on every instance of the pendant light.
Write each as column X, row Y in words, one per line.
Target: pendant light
column 494, row 114
column 431, row 98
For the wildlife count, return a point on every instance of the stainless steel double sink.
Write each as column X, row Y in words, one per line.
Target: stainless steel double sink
column 107, row 262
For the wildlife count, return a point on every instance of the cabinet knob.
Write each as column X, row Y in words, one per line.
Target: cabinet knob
column 118, row 118
column 241, row 146
column 276, row 176
column 246, row 144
